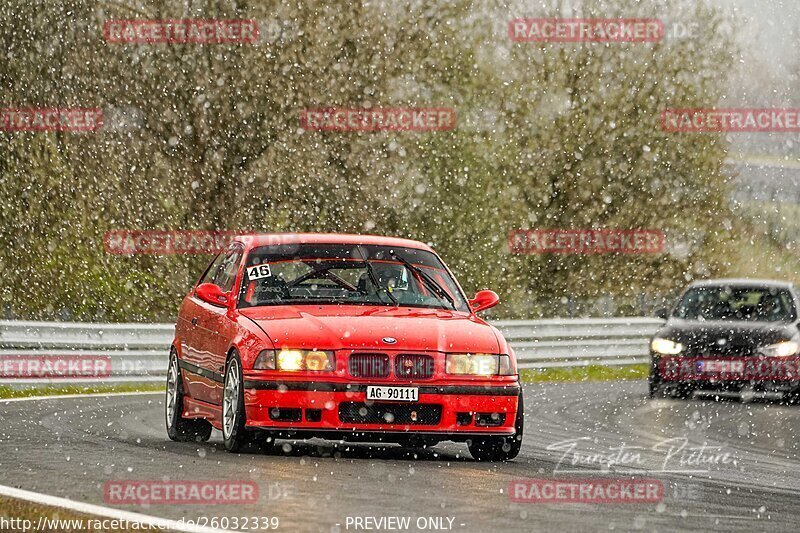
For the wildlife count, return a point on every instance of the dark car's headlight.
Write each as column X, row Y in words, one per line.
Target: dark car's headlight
column 665, row 346
column 296, row 360
column 479, row 364
column 781, row 349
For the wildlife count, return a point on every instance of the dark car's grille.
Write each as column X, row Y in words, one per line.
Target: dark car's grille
column 714, row 349
column 369, row 365
column 729, row 350
column 413, row 366
column 405, row 414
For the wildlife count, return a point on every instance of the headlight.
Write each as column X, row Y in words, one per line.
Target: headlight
column 296, row 361
column 781, row 349
column 265, row 360
column 666, row 346
column 290, row 360
column 478, row 364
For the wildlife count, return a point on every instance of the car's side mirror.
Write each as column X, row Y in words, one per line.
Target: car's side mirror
column 210, row 293
column 662, row 313
column 484, row 300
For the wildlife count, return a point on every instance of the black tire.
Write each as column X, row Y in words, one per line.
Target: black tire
column 683, row 391
column 654, row 388
column 792, row 397
column 178, row 428
column 234, row 432
column 496, row 449
column 654, row 385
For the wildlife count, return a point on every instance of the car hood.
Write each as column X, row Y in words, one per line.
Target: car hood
column 725, row 337
column 364, row 328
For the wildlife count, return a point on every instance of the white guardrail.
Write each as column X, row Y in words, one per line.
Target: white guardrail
column 31, row 352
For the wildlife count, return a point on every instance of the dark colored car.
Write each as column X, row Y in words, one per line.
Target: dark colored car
column 731, row 336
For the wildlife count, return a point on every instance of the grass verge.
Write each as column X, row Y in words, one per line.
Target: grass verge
column 10, row 392
column 21, row 515
column 584, row 373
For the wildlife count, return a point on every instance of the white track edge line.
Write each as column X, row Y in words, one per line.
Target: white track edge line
column 108, row 512
column 69, row 396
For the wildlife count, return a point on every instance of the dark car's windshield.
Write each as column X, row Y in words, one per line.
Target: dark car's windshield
column 753, row 304
column 348, row 274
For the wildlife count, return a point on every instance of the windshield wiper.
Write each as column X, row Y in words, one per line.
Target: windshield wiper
column 430, row 282
column 374, row 278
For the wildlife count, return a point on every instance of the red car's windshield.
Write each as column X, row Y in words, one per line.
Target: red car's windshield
column 347, row 274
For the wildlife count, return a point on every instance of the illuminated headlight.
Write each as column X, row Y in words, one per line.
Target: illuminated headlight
column 781, row 349
column 290, row 360
column 295, row 360
column 666, row 346
column 478, row 364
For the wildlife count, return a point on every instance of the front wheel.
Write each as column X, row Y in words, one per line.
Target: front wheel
column 178, row 428
column 792, row 397
column 654, row 385
column 654, row 388
column 495, row 449
column 234, row 432
column 683, row 391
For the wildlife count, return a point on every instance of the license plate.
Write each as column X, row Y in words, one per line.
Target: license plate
column 720, row 367
column 393, row 394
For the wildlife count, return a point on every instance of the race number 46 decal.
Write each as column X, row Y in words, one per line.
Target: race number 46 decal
column 259, row 271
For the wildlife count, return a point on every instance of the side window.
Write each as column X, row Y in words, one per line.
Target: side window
column 226, row 273
column 213, row 269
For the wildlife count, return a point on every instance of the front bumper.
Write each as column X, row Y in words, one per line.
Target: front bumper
column 728, row 373
column 339, row 410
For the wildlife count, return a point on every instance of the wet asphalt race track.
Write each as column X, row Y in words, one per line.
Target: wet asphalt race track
column 71, row 447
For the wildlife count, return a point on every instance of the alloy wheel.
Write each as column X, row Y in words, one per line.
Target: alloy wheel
column 230, row 398
column 172, row 390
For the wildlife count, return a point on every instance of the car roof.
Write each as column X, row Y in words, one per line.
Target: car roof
column 742, row 282
column 272, row 239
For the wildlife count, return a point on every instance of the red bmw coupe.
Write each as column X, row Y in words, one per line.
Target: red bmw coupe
column 346, row 337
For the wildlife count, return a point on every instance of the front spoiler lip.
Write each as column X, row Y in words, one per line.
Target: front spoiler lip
column 325, row 386
column 710, row 381
column 375, row 435
column 732, row 384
